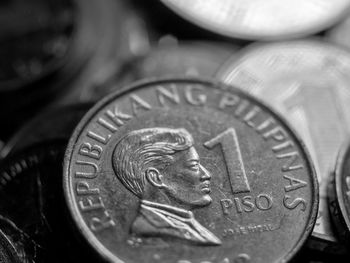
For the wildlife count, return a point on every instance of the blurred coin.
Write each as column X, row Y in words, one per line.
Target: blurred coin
column 118, row 34
column 308, row 82
column 31, row 206
column 7, row 250
column 272, row 19
column 184, row 58
column 339, row 195
column 53, row 123
column 191, row 58
column 34, row 38
column 340, row 33
column 189, row 170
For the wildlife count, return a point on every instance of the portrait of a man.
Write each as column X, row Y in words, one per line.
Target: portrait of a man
column 162, row 168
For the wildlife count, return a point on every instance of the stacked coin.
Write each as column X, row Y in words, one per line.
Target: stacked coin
column 174, row 131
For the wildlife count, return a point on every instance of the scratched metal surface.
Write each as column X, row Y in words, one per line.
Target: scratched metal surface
column 222, row 195
column 308, row 82
column 272, row 19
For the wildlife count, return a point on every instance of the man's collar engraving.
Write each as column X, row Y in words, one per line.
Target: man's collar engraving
column 163, row 220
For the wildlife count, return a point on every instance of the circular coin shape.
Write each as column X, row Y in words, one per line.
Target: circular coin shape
column 272, row 19
column 190, row 59
column 308, row 82
column 339, row 189
column 189, row 170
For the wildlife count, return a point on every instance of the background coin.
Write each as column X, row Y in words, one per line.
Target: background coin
column 35, row 220
column 170, row 58
column 254, row 19
column 116, row 34
column 308, row 82
column 339, row 201
column 232, row 194
column 35, row 38
column 339, row 33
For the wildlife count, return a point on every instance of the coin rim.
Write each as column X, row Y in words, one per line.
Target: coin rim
column 242, row 34
column 223, row 73
column 78, row 219
column 246, row 52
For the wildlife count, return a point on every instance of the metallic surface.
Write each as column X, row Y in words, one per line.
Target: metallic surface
column 339, row 34
column 170, row 59
column 115, row 34
column 32, row 210
column 272, row 19
column 308, row 82
column 186, row 170
column 191, row 59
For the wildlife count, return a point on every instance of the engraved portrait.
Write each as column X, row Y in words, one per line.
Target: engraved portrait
column 162, row 168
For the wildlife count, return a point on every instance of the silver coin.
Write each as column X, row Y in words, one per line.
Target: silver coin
column 308, row 82
column 225, row 187
column 196, row 58
column 272, row 19
column 191, row 59
column 339, row 34
column 113, row 33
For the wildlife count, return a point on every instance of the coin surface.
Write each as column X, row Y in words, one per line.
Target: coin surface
column 32, row 211
column 176, row 59
column 189, row 170
column 271, row 19
column 54, row 123
column 7, row 250
column 308, row 82
column 339, row 34
column 191, row 58
column 339, row 193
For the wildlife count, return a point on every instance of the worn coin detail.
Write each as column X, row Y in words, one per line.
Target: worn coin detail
column 308, row 82
column 187, row 170
column 272, row 19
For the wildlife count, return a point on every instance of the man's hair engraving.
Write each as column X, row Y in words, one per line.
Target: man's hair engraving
column 141, row 149
column 162, row 168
